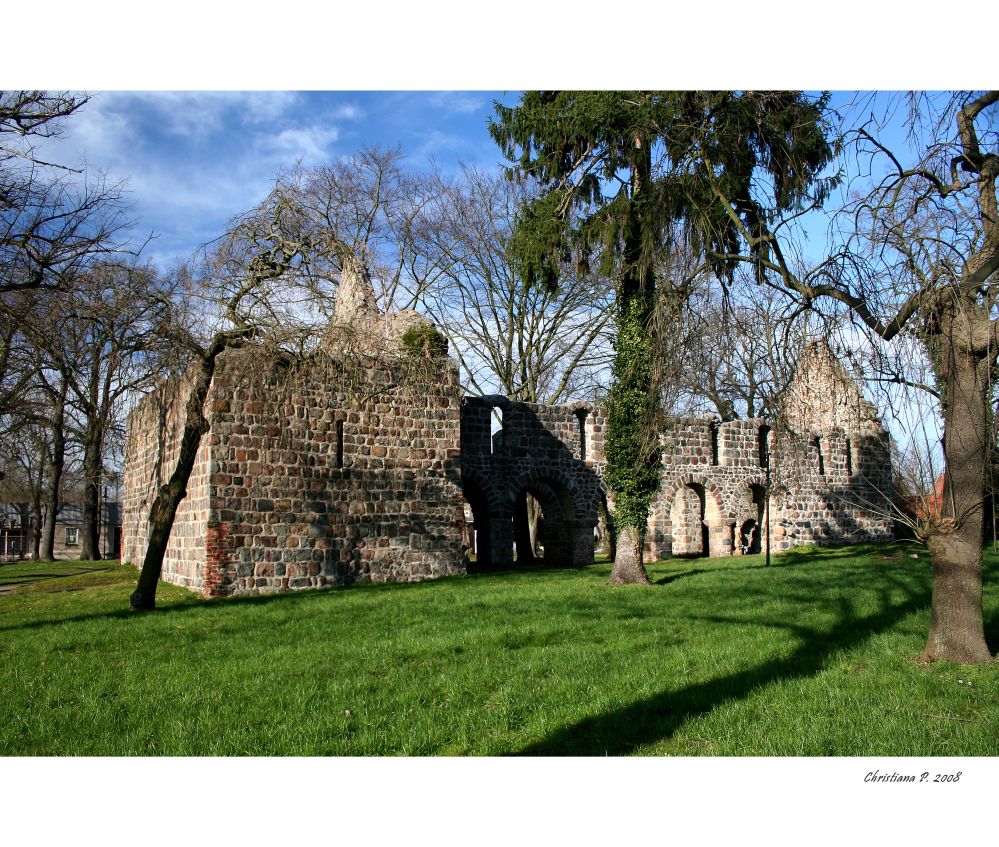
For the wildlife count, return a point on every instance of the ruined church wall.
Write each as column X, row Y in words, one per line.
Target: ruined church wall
column 152, row 444
column 832, row 460
column 718, row 469
column 540, row 449
column 831, row 488
column 302, row 482
column 315, row 484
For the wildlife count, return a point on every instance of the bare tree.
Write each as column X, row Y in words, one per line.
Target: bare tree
column 280, row 262
column 113, row 341
column 737, row 348
column 533, row 344
column 919, row 251
column 52, row 218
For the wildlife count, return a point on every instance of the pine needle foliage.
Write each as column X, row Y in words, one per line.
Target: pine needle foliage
column 624, row 174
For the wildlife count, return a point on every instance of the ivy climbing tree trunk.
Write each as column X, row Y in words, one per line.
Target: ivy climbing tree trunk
column 633, row 459
column 634, row 466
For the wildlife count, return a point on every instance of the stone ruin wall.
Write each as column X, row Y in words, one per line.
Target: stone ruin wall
column 841, row 499
column 541, row 449
column 834, row 475
column 301, row 483
column 304, row 484
column 714, row 472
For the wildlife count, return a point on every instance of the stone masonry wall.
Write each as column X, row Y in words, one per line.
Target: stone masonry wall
column 309, row 484
column 714, row 473
column 539, row 450
column 357, row 467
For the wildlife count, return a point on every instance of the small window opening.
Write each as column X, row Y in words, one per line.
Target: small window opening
column 849, row 458
column 818, row 449
column 496, row 437
column 579, row 426
column 763, row 439
column 714, row 442
column 339, row 444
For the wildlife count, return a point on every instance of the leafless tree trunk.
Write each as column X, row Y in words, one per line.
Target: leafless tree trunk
column 164, row 507
column 57, row 461
column 956, row 628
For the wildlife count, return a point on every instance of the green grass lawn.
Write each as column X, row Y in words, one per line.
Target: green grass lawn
column 816, row 655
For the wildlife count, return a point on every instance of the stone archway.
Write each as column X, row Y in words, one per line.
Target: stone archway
column 492, row 540
column 566, row 534
column 750, row 519
column 698, row 524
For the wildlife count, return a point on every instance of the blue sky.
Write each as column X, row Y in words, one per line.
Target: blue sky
column 194, row 159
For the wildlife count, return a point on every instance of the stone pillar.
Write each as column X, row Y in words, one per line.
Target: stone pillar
column 582, row 544
column 720, row 536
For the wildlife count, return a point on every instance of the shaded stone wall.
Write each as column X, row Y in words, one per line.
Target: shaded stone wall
column 306, row 483
column 539, row 450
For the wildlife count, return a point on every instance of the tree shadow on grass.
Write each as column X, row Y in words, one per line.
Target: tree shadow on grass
column 195, row 602
column 673, row 577
column 27, row 578
column 656, row 718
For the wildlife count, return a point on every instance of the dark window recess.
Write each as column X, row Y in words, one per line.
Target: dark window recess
column 339, row 444
column 580, row 427
column 714, row 442
column 849, row 458
column 763, row 442
column 818, row 449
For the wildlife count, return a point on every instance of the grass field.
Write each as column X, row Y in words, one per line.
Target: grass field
column 816, row 655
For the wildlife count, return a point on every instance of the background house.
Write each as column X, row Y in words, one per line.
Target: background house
column 17, row 530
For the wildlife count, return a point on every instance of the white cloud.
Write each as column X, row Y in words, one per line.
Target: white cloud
column 346, row 112
column 458, row 101
column 310, row 143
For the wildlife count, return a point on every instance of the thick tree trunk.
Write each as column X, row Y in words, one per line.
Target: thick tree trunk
column 628, row 566
column 956, row 630
column 46, row 551
column 90, row 543
column 36, row 523
column 164, row 508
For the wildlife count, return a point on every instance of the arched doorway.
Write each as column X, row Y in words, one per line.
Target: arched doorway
column 697, row 525
column 488, row 538
column 563, row 533
column 686, row 515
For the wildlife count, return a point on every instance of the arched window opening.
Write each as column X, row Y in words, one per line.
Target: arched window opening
column 496, row 439
column 579, row 428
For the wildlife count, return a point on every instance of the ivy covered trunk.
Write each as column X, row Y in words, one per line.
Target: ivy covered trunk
column 956, row 629
column 633, row 456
